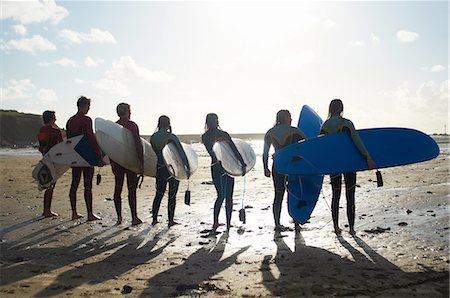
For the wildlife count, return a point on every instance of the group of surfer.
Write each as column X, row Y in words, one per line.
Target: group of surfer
column 279, row 136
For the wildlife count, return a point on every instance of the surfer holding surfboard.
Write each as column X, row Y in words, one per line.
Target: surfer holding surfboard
column 336, row 123
column 279, row 136
column 159, row 140
column 49, row 135
column 124, row 112
column 223, row 182
column 80, row 124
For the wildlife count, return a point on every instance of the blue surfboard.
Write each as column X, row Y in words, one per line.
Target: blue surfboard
column 336, row 153
column 303, row 191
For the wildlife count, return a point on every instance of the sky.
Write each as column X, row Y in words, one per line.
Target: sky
column 387, row 61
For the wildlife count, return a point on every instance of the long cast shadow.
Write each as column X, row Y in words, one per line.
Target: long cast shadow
column 19, row 263
column 312, row 271
column 111, row 267
column 196, row 270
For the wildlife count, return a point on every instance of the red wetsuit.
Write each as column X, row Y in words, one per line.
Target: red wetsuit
column 77, row 125
column 48, row 137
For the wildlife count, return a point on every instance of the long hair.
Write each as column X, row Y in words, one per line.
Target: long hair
column 212, row 121
column 164, row 124
column 336, row 108
column 282, row 115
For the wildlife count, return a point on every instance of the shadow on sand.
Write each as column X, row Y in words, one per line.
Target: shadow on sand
column 196, row 270
column 309, row 271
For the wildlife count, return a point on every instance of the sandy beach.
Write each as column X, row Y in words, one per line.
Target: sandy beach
column 401, row 247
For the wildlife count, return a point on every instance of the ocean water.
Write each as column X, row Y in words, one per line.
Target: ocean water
column 257, row 145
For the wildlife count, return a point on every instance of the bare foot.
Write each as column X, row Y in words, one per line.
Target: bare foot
column 297, row 227
column 93, row 217
column 154, row 222
column 76, row 216
column 337, row 230
column 280, row 228
column 214, row 227
column 352, row 232
column 136, row 221
column 172, row 223
column 49, row 214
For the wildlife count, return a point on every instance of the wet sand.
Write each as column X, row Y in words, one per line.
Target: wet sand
column 401, row 247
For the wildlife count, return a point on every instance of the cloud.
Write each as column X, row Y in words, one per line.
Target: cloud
column 357, row 43
column 124, row 71
column 65, row 62
column 329, row 24
column 33, row 44
column 375, row 39
column 407, row 36
column 17, row 89
column 20, row 29
column 94, row 36
column 46, row 95
column 27, row 12
column 91, row 62
column 429, row 95
column 436, row 68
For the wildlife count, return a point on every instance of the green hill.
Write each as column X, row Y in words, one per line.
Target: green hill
column 18, row 129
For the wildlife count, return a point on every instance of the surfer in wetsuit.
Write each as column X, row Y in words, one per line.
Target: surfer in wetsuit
column 49, row 135
column 159, row 140
column 223, row 182
column 336, row 123
column 279, row 136
column 80, row 124
column 124, row 112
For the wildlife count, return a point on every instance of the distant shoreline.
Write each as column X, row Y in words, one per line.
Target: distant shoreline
column 197, row 138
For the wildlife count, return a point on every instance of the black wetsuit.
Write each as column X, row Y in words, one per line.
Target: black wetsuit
column 223, row 182
column 279, row 136
column 332, row 125
column 163, row 177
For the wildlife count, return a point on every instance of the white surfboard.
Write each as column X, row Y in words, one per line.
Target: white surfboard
column 175, row 164
column 75, row 152
column 117, row 142
column 46, row 172
column 230, row 162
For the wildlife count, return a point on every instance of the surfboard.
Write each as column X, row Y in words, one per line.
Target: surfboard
column 230, row 162
column 336, row 153
column 117, row 142
column 75, row 152
column 303, row 191
column 46, row 172
column 175, row 164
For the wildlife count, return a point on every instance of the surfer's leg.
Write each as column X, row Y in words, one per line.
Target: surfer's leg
column 173, row 189
column 118, row 184
column 76, row 176
column 48, row 195
column 88, row 174
column 350, row 183
column 280, row 187
column 336, row 185
column 132, row 181
column 161, row 185
column 217, row 173
column 229, row 199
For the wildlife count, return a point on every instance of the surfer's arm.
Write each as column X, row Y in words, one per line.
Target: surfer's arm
column 90, row 134
column 267, row 143
column 180, row 150
column 359, row 144
column 236, row 151
column 139, row 147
